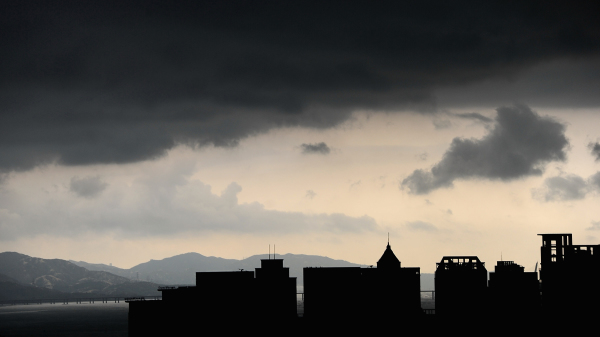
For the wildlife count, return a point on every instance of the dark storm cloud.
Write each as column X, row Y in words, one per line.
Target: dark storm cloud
column 124, row 81
column 87, row 187
column 440, row 124
column 474, row 116
column 561, row 83
column 518, row 145
column 595, row 148
column 320, row 148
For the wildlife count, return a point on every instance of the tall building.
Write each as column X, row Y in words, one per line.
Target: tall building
column 460, row 286
column 388, row 291
column 513, row 292
column 275, row 290
column 333, row 293
column 569, row 276
column 228, row 300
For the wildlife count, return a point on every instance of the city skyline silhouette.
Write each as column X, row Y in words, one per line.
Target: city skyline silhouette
column 334, row 296
column 138, row 137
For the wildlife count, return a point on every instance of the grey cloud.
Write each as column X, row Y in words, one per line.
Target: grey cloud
column 164, row 204
column 87, row 187
column 310, row 194
column 320, row 148
column 571, row 187
column 423, row 182
column 474, row 116
column 567, row 187
column 421, row 226
column 440, row 124
column 595, row 148
column 559, row 83
column 518, row 145
column 594, row 181
column 105, row 82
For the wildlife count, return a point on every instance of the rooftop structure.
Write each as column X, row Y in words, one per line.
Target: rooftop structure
column 513, row 292
column 460, row 286
column 387, row 291
column 565, row 269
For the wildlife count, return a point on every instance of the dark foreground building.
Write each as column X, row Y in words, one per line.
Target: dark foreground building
column 460, row 286
column 232, row 300
column 363, row 294
column 359, row 301
column 569, row 276
column 513, row 293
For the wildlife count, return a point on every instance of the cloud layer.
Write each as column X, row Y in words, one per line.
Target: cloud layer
column 518, row 145
column 119, row 82
column 163, row 205
column 595, row 148
column 87, row 187
column 567, row 188
column 320, row 148
column 571, row 187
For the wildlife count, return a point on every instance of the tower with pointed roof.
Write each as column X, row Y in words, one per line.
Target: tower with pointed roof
column 388, row 260
column 388, row 292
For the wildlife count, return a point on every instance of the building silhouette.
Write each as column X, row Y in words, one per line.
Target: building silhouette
column 275, row 290
column 513, row 293
column 569, row 276
column 460, row 286
column 228, row 299
column 388, row 291
column 337, row 297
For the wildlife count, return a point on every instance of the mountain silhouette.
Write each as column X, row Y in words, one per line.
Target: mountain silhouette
column 181, row 269
column 28, row 276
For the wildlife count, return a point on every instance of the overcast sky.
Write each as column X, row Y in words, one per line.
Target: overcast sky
column 132, row 130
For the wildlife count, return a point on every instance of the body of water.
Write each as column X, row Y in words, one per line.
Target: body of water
column 97, row 319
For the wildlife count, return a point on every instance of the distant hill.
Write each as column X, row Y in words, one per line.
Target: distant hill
column 11, row 289
column 22, row 276
column 181, row 269
column 427, row 281
column 100, row 267
column 29, row 277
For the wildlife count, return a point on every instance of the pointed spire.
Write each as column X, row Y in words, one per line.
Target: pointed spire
column 388, row 260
